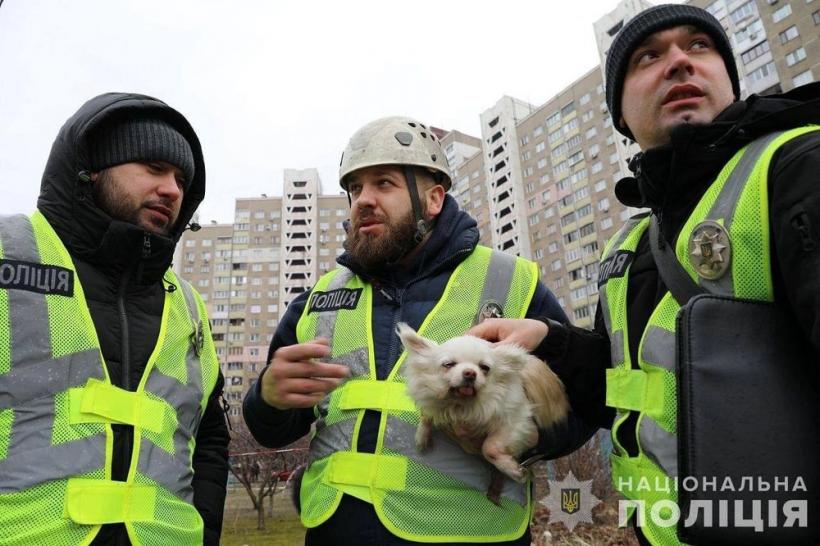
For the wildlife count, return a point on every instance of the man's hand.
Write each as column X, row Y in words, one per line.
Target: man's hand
column 527, row 333
column 294, row 380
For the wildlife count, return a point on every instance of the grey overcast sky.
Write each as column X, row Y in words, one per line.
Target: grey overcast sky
column 270, row 85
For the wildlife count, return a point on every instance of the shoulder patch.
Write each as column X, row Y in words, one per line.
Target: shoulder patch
column 34, row 277
column 615, row 266
column 341, row 298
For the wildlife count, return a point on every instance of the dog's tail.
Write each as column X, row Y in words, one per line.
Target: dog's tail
column 546, row 392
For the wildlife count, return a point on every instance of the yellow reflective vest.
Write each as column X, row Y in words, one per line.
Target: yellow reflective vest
column 738, row 202
column 435, row 496
column 57, row 406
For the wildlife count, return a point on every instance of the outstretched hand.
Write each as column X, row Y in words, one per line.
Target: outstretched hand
column 526, row 333
column 295, row 380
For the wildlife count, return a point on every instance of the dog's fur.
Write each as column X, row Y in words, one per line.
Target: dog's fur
column 487, row 398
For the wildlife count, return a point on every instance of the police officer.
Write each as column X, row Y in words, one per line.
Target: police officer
column 411, row 256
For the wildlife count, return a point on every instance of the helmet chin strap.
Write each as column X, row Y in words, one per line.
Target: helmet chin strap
column 422, row 225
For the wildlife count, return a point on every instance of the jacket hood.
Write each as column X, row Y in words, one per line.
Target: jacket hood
column 679, row 172
column 66, row 201
column 455, row 233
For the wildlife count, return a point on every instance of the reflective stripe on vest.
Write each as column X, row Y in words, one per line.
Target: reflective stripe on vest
column 438, row 495
column 738, row 200
column 57, row 406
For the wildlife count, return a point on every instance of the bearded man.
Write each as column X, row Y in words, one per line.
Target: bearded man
column 411, row 256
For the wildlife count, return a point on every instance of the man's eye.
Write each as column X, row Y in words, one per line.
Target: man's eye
column 700, row 44
column 645, row 57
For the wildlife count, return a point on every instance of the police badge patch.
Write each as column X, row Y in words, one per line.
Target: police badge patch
column 490, row 309
column 710, row 250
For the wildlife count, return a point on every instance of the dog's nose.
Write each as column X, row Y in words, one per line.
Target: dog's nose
column 468, row 375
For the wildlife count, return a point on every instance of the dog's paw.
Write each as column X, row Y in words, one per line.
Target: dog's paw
column 424, row 438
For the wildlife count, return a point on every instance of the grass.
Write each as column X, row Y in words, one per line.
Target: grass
column 282, row 528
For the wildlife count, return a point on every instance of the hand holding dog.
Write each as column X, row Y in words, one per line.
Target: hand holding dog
column 294, row 380
column 526, row 333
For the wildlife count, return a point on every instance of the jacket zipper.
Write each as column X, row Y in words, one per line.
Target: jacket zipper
column 125, row 371
column 125, row 367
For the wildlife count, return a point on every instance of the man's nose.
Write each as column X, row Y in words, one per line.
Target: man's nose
column 678, row 63
column 169, row 187
column 365, row 197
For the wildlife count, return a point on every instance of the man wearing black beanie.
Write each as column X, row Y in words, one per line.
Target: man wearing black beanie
column 707, row 334
column 111, row 427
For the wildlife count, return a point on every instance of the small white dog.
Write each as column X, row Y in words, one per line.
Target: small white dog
column 488, row 398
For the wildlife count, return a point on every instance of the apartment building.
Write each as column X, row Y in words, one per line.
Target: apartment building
column 776, row 42
column 464, row 155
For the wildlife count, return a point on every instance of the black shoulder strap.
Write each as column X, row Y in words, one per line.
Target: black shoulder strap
column 676, row 279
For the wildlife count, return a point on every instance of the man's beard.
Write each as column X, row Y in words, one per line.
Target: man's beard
column 112, row 198
column 371, row 251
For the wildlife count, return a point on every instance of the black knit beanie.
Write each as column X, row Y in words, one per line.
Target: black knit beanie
column 137, row 139
column 648, row 22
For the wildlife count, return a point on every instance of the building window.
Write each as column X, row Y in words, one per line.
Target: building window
column 803, row 78
column 750, row 32
column 795, row 56
column 762, row 72
column 788, row 35
column 755, row 52
column 816, row 17
column 742, row 12
column 782, row 13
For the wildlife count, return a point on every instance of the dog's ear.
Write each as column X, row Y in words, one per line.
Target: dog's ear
column 511, row 357
column 412, row 341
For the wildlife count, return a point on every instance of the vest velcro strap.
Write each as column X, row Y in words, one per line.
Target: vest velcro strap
column 100, row 402
column 366, row 469
column 377, row 395
column 96, row 502
column 635, row 390
column 625, row 388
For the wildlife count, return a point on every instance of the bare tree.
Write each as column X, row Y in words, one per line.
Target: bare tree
column 261, row 470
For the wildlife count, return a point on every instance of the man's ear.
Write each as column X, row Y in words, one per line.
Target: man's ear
column 413, row 342
column 435, row 200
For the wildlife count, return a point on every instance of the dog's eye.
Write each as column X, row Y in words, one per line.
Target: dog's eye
column 449, row 364
column 484, row 368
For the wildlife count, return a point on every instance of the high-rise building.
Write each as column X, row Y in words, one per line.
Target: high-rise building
column 776, row 42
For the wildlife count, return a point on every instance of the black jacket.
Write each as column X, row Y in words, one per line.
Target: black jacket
column 120, row 267
column 405, row 294
column 671, row 180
